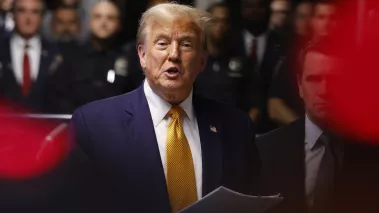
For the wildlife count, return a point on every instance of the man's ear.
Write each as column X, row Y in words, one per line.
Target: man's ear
column 142, row 55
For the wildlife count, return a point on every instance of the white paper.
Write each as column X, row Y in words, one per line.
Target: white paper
column 224, row 200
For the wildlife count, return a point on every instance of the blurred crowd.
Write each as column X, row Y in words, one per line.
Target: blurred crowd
column 58, row 55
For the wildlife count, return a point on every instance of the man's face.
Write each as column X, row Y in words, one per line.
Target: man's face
column 280, row 10
column 220, row 16
column 323, row 21
column 104, row 20
column 65, row 23
column 28, row 16
column 303, row 16
column 70, row 2
column 5, row 5
column 254, row 10
column 172, row 56
column 320, row 74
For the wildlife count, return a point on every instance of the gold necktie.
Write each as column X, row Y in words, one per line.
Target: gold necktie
column 180, row 178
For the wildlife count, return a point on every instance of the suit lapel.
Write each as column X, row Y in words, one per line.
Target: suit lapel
column 139, row 127
column 296, row 159
column 210, row 131
column 14, row 88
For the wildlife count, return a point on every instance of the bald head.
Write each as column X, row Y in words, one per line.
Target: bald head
column 105, row 19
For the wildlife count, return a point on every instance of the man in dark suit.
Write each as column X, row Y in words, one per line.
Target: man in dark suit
column 311, row 164
column 160, row 148
column 27, row 60
column 262, row 46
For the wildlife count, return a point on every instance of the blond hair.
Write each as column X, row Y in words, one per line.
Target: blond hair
column 172, row 11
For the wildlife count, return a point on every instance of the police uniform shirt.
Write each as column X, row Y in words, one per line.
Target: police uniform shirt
column 98, row 75
column 229, row 80
column 284, row 86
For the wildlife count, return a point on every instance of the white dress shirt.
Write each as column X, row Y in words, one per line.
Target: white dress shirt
column 261, row 44
column 159, row 109
column 313, row 156
column 17, row 45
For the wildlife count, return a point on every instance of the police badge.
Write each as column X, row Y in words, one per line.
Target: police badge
column 55, row 64
column 235, row 66
column 121, row 67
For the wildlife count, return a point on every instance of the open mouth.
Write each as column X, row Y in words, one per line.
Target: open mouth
column 173, row 70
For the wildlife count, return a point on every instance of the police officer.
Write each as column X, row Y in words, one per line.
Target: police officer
column 227, row 77
column 99, row 69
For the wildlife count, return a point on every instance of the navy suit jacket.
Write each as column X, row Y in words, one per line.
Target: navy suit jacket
column 38, row 97
column 117, row 147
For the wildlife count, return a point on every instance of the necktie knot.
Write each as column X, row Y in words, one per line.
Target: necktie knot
column 175, row 112
column 27, row 46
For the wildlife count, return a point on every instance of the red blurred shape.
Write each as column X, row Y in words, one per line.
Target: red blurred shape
column 356, row 102
column 30, row 147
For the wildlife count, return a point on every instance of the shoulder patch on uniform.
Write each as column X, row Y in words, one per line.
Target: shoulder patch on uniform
column 121, row 66
column 235, row 67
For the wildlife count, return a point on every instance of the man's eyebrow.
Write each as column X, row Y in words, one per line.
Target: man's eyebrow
column 187, row 36
column 161, row 35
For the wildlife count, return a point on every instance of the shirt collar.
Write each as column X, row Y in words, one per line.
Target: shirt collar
column 249, row 35
column 312, row 132
column 159, row 107
column 33, row 41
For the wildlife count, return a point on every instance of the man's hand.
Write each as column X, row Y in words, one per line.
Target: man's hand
column 280, row 112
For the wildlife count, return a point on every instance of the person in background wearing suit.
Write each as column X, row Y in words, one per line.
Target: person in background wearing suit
column 262, row 46
column 314, row 167
column 27, row 60
column 160, row 148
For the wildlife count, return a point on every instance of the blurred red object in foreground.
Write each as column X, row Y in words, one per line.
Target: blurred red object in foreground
column 29, row 147
column 356, row 102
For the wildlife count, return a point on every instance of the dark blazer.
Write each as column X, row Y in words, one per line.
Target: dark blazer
column 273, row 51
column 283, row 171
column 116, row 139
column 273, row 54
column 37, row 99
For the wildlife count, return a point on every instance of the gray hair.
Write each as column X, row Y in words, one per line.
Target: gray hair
column 172, row 11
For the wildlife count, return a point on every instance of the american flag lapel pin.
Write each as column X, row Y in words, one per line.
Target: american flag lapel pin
column 212, row 128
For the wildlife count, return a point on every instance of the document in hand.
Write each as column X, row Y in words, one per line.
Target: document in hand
column 224, row 200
